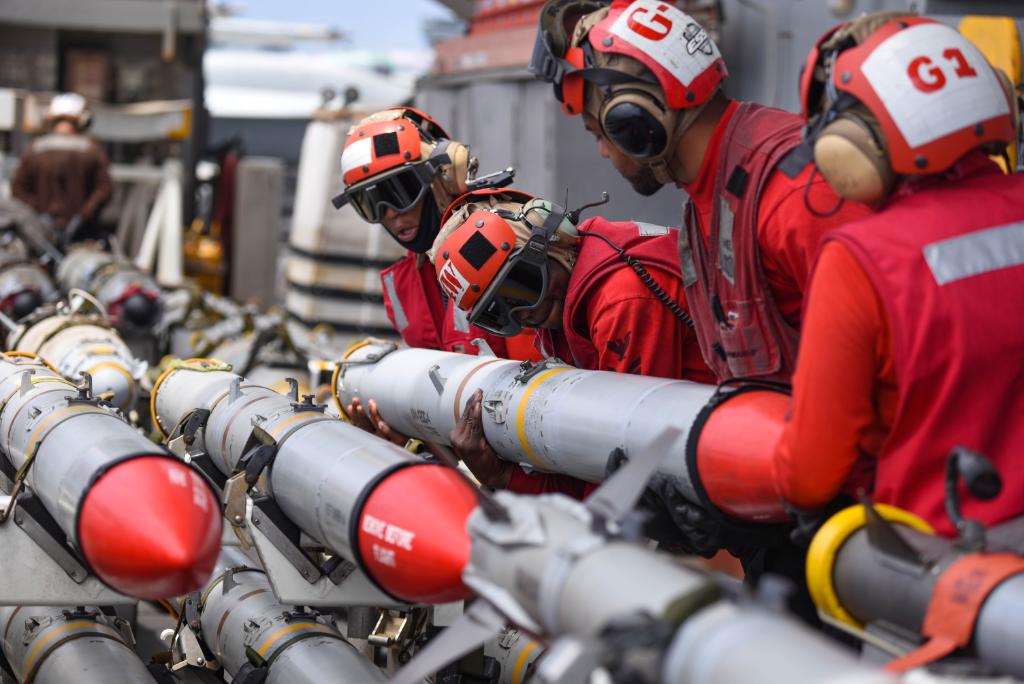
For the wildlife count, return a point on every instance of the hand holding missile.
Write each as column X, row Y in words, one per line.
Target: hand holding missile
column 369, row 420
column 470, row 445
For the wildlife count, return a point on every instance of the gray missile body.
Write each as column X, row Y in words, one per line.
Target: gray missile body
column 50, row 645
column 113, row 281
column 557, row 418
column 856, row 583
column 324, row 477
column 70, row 450
column 239, row 613
column 75, row 344
column 545, row 566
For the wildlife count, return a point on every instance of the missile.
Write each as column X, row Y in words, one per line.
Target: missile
column 52, row 645
column 24, row 287
column 247, row 630
column 553, row 417
column 517, row 655
column 882, row 567
column 146, row 524
column 558, row 567
column 399, row 519
column 74, row 344
column 129, row 295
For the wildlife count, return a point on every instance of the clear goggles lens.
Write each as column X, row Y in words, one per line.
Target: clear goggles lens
column 519, row 286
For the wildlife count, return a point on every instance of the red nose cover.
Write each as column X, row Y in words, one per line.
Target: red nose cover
column 412, row 533
column 735, row 453
column 150, row 528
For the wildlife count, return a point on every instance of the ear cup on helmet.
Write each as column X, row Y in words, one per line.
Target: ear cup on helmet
column 850, row 159
column 636, row 123
column 453, row 176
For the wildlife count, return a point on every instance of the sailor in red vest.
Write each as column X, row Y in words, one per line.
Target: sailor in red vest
column 603, row 296
column 401, row 169
column 648, row 81
column 906, row 311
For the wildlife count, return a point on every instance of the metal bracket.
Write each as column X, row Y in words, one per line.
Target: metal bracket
column 189, row 652
column 392, row 627
column 265, row 516
column 31, row 516
column 340, row 585
column 529, row 369
column 37, row 579
column 436, row 379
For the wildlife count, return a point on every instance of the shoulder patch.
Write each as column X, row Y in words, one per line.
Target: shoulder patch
column 650, row 229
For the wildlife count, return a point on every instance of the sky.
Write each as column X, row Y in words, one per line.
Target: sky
column 385, row 25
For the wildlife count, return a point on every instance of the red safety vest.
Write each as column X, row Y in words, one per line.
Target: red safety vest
column 653, row 245
column 739, row 327
column 415, row 306
column 947, row 262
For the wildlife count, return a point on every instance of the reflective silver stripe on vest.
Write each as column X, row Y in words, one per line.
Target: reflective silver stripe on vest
column 460, row 319
column 726, row 258
column 401, row 322
column 650, row 230
column 979, row 252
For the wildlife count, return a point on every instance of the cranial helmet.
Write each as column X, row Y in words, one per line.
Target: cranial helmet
column 892, row 95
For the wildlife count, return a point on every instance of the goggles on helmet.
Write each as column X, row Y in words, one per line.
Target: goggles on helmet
column 400, row 189
column 522, row 281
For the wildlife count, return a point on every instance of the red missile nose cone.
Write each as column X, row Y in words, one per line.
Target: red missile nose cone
column 150, row 528
column 412, row 533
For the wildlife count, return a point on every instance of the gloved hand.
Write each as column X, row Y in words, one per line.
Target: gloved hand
column 677, row 522
column 470, row 445
column 372, row 422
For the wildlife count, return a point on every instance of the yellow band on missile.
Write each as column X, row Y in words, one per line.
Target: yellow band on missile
column 517, row 671
column 63, row 629
column 821, row 556
column 521, row 412
column 301, row 626
column 196, row 364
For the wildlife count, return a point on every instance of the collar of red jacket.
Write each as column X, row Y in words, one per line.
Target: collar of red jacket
column 973, row 164
column 701, row 190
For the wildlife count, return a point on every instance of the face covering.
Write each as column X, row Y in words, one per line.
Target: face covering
column 430, row 224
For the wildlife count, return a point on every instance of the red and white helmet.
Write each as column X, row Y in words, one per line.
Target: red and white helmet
column 672, row 47
column 395, row 157
column 932, row 93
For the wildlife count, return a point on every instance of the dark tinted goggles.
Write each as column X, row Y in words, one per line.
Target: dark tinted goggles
column 519, row 286
column 400, row 190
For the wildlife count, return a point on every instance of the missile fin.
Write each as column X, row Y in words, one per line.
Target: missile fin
column 480, row 622
column 884, row 538
column 614, row 499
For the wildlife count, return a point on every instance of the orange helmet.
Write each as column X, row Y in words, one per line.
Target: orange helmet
column 486, row 267
column 394, row 157
column 904, row 95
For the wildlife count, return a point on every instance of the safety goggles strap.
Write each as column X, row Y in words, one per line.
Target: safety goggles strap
column 535, row 251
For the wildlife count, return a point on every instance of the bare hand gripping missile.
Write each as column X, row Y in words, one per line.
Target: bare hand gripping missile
column 144, row 523
column 359, row 497
column 553, row 417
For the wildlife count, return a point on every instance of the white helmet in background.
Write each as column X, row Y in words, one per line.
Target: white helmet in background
column 69, row 106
